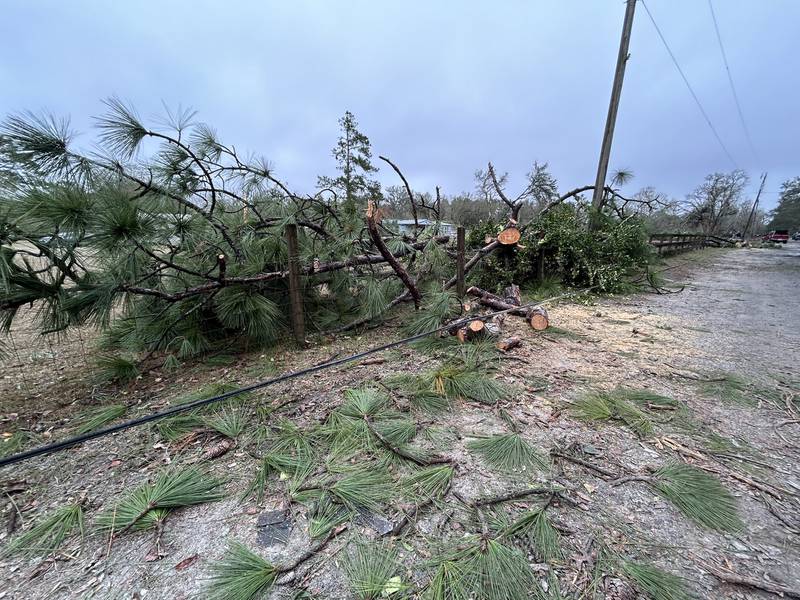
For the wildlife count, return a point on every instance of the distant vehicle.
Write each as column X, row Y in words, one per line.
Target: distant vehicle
column 779, row 236
column 796, row 237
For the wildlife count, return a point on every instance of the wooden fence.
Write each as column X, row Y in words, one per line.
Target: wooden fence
column 672, row 243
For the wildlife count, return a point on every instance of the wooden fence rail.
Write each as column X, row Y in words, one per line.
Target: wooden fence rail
column 672, row 243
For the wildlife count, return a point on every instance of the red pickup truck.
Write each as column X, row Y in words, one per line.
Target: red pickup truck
column 778, row 236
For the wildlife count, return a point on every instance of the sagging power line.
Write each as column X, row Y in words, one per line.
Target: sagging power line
column 689, row 87
column 730, row 81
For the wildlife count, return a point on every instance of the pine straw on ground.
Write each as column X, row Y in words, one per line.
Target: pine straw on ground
column 585, row 535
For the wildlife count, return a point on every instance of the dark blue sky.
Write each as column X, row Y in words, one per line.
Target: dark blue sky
column 441, row 87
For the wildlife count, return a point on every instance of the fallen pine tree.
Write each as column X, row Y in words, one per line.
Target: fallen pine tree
column 172, row 243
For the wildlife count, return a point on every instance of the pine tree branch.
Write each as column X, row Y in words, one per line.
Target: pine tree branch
column 353, row 261
column 408, row 191
column 389, row 257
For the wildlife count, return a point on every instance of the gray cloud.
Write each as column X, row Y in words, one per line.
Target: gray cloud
column 442, row 87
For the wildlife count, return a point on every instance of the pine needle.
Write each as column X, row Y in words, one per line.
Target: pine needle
column 325, row 516
column 699, row 495
column 429, row 402
column 99, row 417
column 494, row 571
column 280, row 461
column 49, row 533
column 228, row 421
column 477, row 386
column 174, row 428
column 370, row 569
column 437, row 308
column 363, row 402
column 171, row 489
column 606, row 406
column 428, row 483
column 240, row 575
column 657, row 584
column 535, row 526
column 509, row 452
column 365, row 489
column 13, row 443
column 448, row 583
column 116, row 368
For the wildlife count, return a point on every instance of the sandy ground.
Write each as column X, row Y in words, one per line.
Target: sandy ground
column 738, row 313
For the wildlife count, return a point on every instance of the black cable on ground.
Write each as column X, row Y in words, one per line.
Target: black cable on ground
column 73, row 441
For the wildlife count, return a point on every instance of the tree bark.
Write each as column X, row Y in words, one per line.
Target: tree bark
column 508, row 343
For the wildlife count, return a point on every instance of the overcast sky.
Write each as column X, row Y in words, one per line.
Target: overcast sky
column 441, row 87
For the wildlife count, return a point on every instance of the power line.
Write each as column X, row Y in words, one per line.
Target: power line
column 74, row 441
column 733, row 87
column 688, row 85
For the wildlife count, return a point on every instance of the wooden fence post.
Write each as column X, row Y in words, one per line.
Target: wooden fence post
column 295, row 291
column 461, row 286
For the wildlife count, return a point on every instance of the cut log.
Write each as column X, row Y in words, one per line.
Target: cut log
column 538, row 318
column 512, row 295
column 508, row 343
column 509, row 236
column 476, row 326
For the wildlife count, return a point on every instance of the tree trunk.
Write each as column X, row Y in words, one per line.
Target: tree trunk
column 512, row 295
column 508, row 343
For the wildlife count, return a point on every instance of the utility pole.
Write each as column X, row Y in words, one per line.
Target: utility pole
column 611, row 119
column 745, row 237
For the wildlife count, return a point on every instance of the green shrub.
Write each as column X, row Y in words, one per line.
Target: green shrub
column 604, row 257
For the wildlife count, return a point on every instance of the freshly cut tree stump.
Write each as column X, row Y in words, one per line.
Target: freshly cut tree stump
column 473, row 330
column 509, row 236
column 538, row 318
column 476, row 326
column 508, row 343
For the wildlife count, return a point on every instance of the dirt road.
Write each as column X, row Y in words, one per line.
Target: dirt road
column 725, row 352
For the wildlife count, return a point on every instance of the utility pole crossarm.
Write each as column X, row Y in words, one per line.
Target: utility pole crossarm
column 611, row 119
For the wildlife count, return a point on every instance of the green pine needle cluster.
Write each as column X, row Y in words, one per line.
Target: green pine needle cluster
column 486, row 569
column 429, row 483
column 98, row 417
column 13, row 443
column 325, row 515
column 434, row 389
column 732, row 388
column 437, row 308
column 509, row 452
column 47, row 535
column 366, row 423
column 699, row 495
column 535, row 527
column 364, row 488
column 289, row 454
column 613, row 406
column 240, row 575
column 141, row 508
column 371, row 571
column 174, row 428
column 654, row 582
column 111, row 367
column 227, row 420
